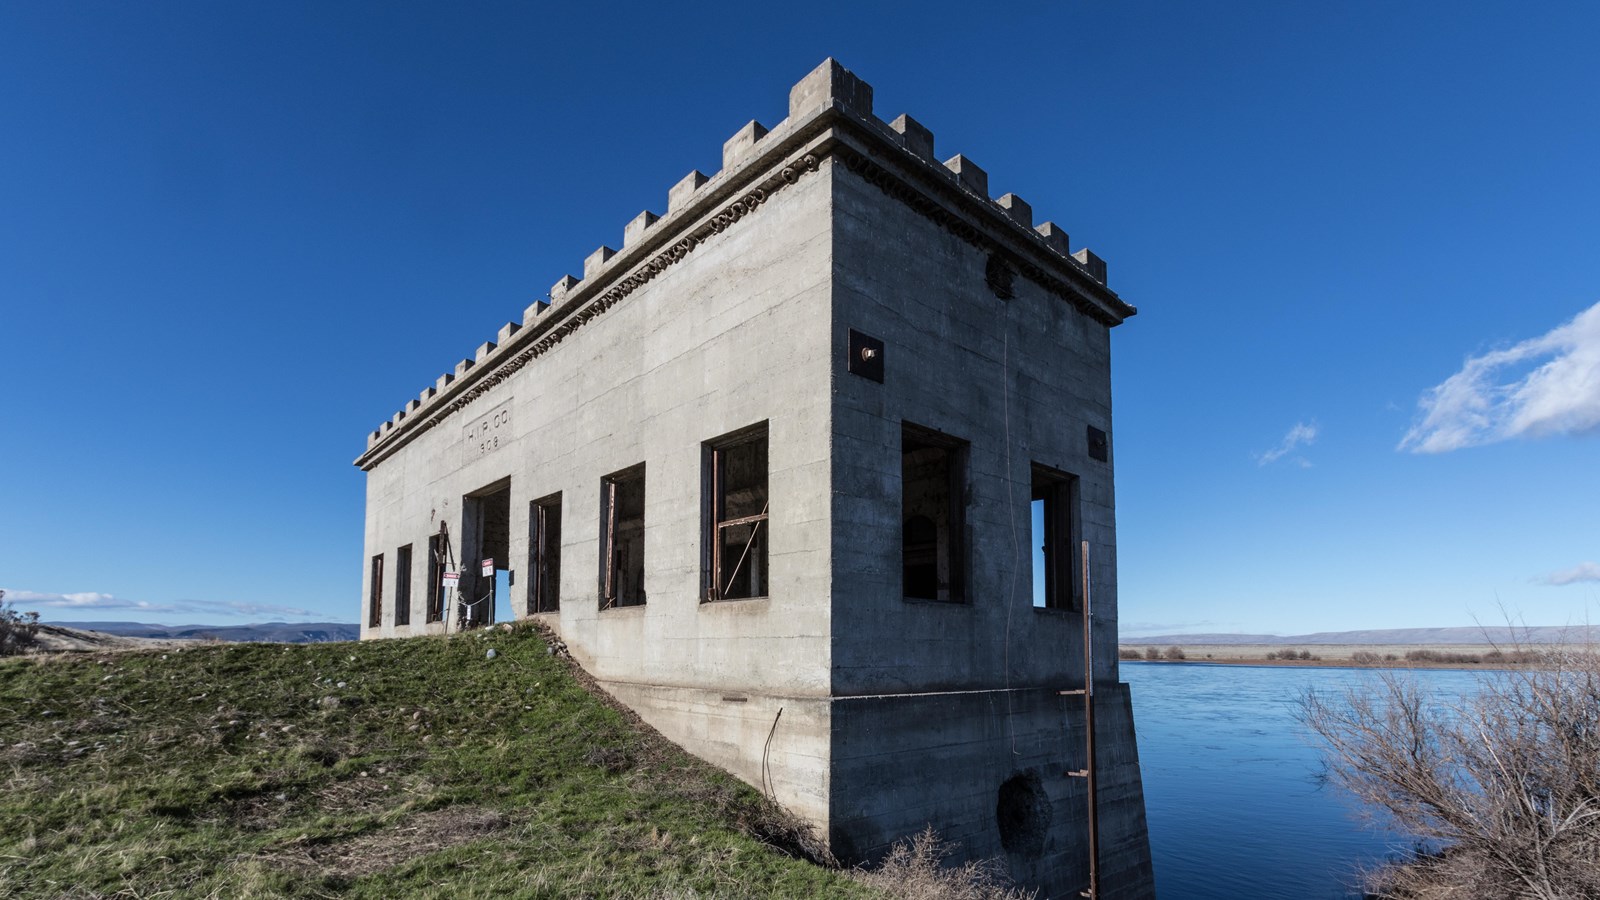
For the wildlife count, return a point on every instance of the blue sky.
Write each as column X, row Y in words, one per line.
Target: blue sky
column 1363, row 389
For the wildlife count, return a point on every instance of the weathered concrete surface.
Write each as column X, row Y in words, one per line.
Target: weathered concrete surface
column 867, row 713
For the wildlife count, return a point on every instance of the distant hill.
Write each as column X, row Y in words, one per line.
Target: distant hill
column 1500, row 635
column 276, row 632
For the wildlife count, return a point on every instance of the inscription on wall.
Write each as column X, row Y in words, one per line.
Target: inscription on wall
column 487, row 433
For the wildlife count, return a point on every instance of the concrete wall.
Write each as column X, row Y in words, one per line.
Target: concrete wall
column 901, row 763
column 1018, row 380
column 734, row 334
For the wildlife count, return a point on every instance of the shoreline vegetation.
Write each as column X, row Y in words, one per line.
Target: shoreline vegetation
column 1358, row 656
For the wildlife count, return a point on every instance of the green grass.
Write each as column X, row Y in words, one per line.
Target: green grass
column 245, row 770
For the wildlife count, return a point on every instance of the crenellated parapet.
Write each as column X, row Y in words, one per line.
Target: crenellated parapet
column 830, row 114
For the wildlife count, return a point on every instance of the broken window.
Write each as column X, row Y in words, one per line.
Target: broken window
column 375, row 597
column 402, row 586
column 932, row 515
column 1054, row 514
column 438, row 560
column 622, row 538
column 736, row 516
column 544, row 554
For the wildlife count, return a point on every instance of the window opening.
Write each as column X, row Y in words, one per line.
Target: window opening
column 932, row 515
column 441, row 559
column 544, row 554
column 375, row 596
column 1054, row 517
column 736, row 532
column 622, row 538
column 402, row 586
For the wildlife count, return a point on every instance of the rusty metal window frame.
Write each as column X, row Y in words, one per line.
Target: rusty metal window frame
column 1062, row 530
column 544, row 554
column 375, row 594
column 612, row 593
column 716, row 577
column 441, row 558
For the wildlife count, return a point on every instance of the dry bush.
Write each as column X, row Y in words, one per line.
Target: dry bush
column 1129, row 653
column 17, row 629
column 915, row 870
column 1365, row 657
column 1175, row 653
column 1152, row 653
column 1507, row 781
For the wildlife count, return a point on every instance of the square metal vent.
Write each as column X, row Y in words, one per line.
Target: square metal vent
column 1097, row 444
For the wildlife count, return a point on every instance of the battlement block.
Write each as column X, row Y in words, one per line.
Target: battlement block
column 413, row 405
column 395, row 419
column 428, row 393
column 535, row 310
column 826, row 85
column 742, row 144
column 596, row 260
column 372, row 439
column 1055, row 237
column 506, row 331
column 463, row 366
column 1017, row 209
column 484, row 349
column 969, row 175
column 913, row 136
column 633, row 231
column 560, row 288
column 679, row 195
column 1095, row 265
column 387, row 427
column 445, row 379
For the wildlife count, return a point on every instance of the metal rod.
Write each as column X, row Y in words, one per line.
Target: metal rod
column 1088, row 731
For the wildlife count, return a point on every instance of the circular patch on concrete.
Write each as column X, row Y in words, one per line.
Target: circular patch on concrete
column 1022, row 813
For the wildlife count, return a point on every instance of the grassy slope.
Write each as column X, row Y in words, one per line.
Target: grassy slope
column 244, row 770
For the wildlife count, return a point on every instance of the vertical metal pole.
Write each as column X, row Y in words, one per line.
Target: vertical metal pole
column 1088, row 731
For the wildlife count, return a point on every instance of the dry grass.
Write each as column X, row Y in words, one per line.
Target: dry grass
column 915, row 870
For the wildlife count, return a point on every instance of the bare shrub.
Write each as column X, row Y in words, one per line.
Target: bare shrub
column 1507, row 781
column 1440, row 656
column 1152, row 653
column 1129, row 653
column 18, row 630
column 1365, row 657
column 1175, row 653
column 915, row 870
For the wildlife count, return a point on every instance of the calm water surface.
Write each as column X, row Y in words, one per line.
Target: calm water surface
column 1230, row 784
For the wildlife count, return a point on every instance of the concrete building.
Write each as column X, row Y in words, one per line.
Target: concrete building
column 800, row 473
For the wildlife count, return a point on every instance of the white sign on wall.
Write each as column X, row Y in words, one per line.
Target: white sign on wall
column 488, row 567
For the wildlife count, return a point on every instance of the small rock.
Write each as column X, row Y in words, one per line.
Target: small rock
column 416, row 715
column 330, row 702
column 340, row 685
column 282, row 797
column 491, row 654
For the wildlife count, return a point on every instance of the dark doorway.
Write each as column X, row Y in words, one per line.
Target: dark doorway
column 485, row 542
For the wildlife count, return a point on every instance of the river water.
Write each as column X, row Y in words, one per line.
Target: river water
column 1230, row 782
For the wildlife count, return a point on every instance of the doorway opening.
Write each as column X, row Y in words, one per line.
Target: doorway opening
column 486, row 548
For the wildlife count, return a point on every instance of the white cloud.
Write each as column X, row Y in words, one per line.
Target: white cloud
column 1303, row 434
column 1587, row 571
column 87, row 600
column 1496, row 397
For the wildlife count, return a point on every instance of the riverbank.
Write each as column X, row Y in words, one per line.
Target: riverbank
column 1373, row 656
